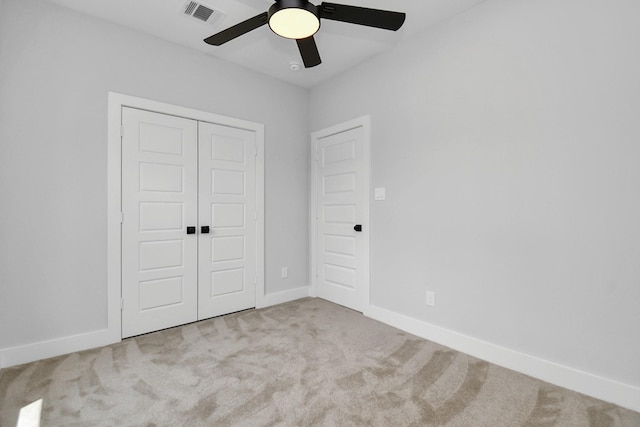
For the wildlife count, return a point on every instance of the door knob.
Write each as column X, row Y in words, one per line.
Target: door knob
column 204, row 229
column 358, row 227
column 191, row 230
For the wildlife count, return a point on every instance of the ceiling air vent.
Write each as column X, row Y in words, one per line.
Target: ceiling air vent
column 200, row 11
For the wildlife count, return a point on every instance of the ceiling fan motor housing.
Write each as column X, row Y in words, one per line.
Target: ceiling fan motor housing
column 300, row 20
column 298, row 12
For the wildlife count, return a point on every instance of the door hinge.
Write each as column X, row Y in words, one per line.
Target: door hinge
column 121, row 303
column 121, row 131
column 121, row 217
column 255, row 149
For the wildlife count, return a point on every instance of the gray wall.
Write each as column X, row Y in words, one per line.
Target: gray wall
column 508, row 140
column 56, row 68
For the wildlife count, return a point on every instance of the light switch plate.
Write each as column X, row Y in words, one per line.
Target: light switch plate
column 380, row 193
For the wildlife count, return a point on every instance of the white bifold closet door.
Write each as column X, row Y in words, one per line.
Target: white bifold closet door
column 189, row 221
column 227, row 204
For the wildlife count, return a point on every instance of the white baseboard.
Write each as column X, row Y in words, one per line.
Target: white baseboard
column 624, row 395
column 43, row 350
column 606, row 389
column 51, row 348
column 283, row 296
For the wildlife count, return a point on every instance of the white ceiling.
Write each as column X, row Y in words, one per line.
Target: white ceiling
column 341, row 45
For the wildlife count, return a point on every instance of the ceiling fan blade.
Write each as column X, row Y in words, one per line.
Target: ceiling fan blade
column 309, row 52
column 237, row 30
column 387, row 20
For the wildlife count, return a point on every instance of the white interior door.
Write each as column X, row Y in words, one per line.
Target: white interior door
column 227, row 272
column 342, row 206
column 159, row 202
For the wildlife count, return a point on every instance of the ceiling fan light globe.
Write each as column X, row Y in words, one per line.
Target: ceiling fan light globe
column 294, row 19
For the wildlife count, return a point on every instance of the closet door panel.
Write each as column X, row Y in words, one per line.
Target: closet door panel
column 227, row 205
column 159, row 202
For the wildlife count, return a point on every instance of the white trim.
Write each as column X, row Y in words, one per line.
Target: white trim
column 313, row 217
column 365, row 123
column 44, row 349
column 605, row 389
column 260, row 242
column 114, row 216
column 113, row 333
column 116, row 102
column 284, row 296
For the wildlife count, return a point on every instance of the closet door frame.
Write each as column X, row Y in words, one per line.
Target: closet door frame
column 116, row 101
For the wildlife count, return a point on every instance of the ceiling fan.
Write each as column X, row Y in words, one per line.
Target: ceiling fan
column 300, row 20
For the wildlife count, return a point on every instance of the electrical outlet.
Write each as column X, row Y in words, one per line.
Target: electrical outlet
column 431, row 299
column 284, row 273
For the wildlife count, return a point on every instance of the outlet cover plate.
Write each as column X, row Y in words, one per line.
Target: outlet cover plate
column 431, row 299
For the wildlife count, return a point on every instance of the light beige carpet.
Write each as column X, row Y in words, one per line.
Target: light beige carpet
column 304, row 363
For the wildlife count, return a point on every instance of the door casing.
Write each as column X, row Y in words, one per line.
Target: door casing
column 116, row 102
column 364, row 123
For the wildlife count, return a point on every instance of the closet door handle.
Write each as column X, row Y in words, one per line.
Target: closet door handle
column 191, row 230
column 204, row 229
column 358, row 228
